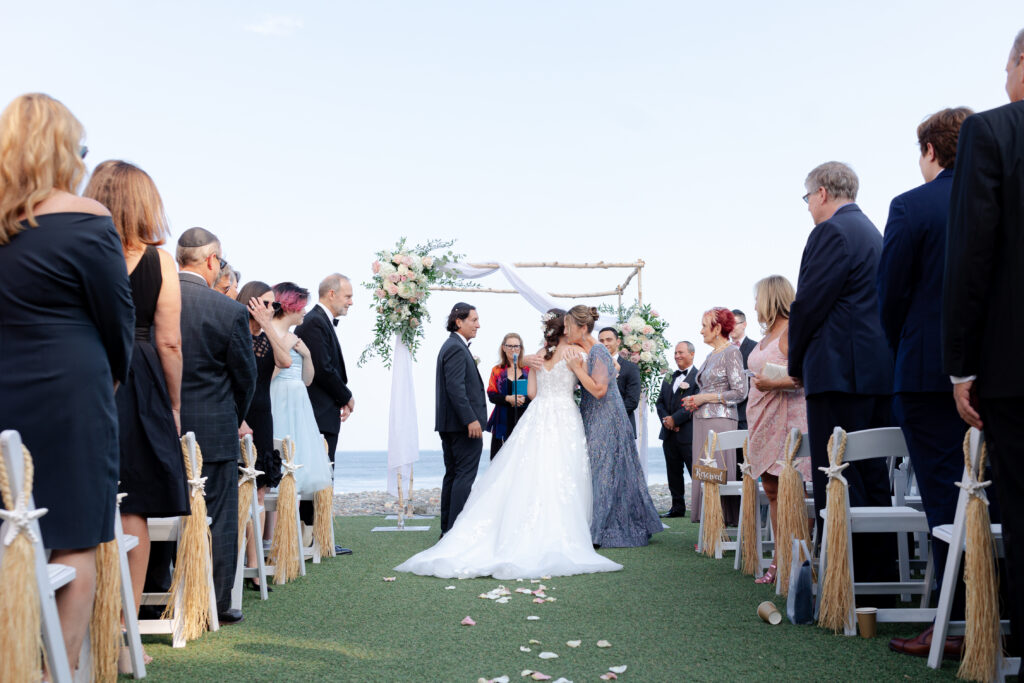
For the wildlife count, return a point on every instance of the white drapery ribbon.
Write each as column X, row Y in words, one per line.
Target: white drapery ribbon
column 403, row 433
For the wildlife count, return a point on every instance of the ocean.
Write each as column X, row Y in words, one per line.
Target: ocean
column 356, row 471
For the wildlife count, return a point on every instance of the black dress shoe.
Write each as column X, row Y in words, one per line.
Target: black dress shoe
column 338, row 550
column 232, row 616
column 253, row 586
column 673, row 513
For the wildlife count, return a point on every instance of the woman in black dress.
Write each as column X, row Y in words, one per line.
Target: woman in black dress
column 152, row 468
column 67, row 324
column 270, row 352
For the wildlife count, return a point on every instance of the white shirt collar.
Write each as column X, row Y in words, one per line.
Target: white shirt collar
column 464, row 340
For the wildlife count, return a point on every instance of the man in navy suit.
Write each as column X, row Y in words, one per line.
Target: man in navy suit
column 838, row 350
column 983, row 305
column 460, row 412
column 677, row 425
column 739, row 337
column 910, row 301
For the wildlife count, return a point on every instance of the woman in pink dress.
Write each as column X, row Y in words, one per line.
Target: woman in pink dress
column 776, row 403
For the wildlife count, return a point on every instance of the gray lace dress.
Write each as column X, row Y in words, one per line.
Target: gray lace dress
column 624, row 514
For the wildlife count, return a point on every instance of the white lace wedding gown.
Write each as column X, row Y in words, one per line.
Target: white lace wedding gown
column 528, row 515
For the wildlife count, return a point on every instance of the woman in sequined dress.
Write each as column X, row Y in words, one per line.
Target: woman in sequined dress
column 624, row 515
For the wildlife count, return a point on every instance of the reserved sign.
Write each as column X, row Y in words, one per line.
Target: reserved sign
column 712, row 475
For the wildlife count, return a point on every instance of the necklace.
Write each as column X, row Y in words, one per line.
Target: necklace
column 720, row 348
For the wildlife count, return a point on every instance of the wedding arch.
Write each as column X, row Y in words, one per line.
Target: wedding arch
column 402, row 280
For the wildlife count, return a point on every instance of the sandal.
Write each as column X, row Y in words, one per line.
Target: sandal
column 769, row 575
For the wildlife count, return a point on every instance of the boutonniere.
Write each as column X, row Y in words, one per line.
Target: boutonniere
column 684, row 385
column 476, row 359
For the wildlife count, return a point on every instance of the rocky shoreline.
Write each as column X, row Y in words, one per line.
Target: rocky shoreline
column 428, row 502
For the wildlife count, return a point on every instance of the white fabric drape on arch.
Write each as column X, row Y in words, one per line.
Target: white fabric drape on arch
column 403, row 442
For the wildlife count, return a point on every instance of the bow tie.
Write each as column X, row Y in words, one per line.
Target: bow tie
column 678, row 372
column 334, row 321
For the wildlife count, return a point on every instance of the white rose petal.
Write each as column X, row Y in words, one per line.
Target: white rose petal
column 574, row 643
column 548, row 655
column 617, row 669
column 603, row 643
column 532, row 618
column 523, row 648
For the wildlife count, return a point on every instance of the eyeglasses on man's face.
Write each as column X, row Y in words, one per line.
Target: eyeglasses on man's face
column 807, row 197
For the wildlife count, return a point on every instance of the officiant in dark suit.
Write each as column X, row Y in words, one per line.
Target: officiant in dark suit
column 460, row 412
column 677, row 425
column 218, row 380
column 328, row 393
column 983, row 301
column 628, row 379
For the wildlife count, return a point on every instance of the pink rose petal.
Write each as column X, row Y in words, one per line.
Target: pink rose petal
column 538, row 676
column 608, row 676
column 468, row 621
column 540, row 600
column 389, row 578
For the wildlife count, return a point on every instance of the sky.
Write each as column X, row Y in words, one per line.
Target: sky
column 310, row 135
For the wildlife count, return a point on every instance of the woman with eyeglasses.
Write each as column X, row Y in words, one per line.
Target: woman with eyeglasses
column 271, row 353
column 507, row 391
column 227, row 284
column 68, row 325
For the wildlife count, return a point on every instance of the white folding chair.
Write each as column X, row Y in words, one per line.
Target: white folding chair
column 864, row 445
column 171, row 529
column 955, row 535
column 247, row 468
column 49, row 577
column 734, row 439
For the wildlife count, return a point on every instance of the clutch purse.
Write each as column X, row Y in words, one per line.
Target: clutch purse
column 774, row 371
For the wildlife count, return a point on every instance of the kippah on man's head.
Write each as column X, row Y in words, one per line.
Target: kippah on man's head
column 196, row 237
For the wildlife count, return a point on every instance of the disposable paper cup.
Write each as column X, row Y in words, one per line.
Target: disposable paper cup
column 867, row 621
column 769, row 612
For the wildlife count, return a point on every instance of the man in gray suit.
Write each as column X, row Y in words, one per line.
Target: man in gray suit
column 460, row 413
column 218, row 380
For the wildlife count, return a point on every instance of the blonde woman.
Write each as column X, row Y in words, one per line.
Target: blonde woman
column 68, row 324
column 152, row 471
column 776, row 401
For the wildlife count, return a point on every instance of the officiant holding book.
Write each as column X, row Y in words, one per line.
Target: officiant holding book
column 507, row 391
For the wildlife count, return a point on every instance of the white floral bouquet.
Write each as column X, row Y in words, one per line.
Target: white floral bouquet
column 400, row 286
column 643, row 341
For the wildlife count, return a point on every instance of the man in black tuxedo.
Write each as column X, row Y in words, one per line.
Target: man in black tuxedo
column 628, row 379
column 218, row 380
column 983, row 305
column 329, row 393
column 460, row 412
column 837, row 348
column 677, row 425
column 739, row 337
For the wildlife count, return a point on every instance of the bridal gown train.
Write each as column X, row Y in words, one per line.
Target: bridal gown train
column 529, row 514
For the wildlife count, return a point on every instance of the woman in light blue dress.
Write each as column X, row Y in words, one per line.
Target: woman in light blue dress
column 624, row 514
column 289, row 402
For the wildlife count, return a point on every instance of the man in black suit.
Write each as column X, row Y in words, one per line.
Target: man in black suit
column 838, row 350
column 628, row 379
column 218, row 380
column 738, row 336
column 910, row 297
column 677, row 425
column 329, row 393
column 460, row 412
column 983, row 305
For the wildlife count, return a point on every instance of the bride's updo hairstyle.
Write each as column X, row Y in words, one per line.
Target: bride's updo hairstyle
column 584, row 316
column 291, row 297
column 553, row 327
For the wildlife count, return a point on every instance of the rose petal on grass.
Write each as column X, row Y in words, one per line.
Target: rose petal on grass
column 500, row 679
column 563, row 679
column 523, row 648
column 533, row 618
column 502, row 601
column 574, row 643
column 468, row 621
column 538, row 676
column 608, row 677
column 539, row 600
column 389, row 578
column 526, row 591
column 550, row 599
column 449, row 588
column 534, row 642
column 603, row 643
column 525, row 672
column 548, row 655
column 617, row 669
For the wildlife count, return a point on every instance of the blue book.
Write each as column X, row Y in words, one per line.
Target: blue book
column 520, row 388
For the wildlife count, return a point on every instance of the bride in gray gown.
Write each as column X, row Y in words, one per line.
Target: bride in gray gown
column 624, row 514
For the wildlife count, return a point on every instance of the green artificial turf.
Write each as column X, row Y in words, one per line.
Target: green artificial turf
column 670, row 615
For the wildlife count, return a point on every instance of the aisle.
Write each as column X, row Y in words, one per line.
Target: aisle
column 670, row 615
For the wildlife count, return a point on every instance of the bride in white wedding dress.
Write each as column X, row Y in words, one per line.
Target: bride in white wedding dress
column 529, row 514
